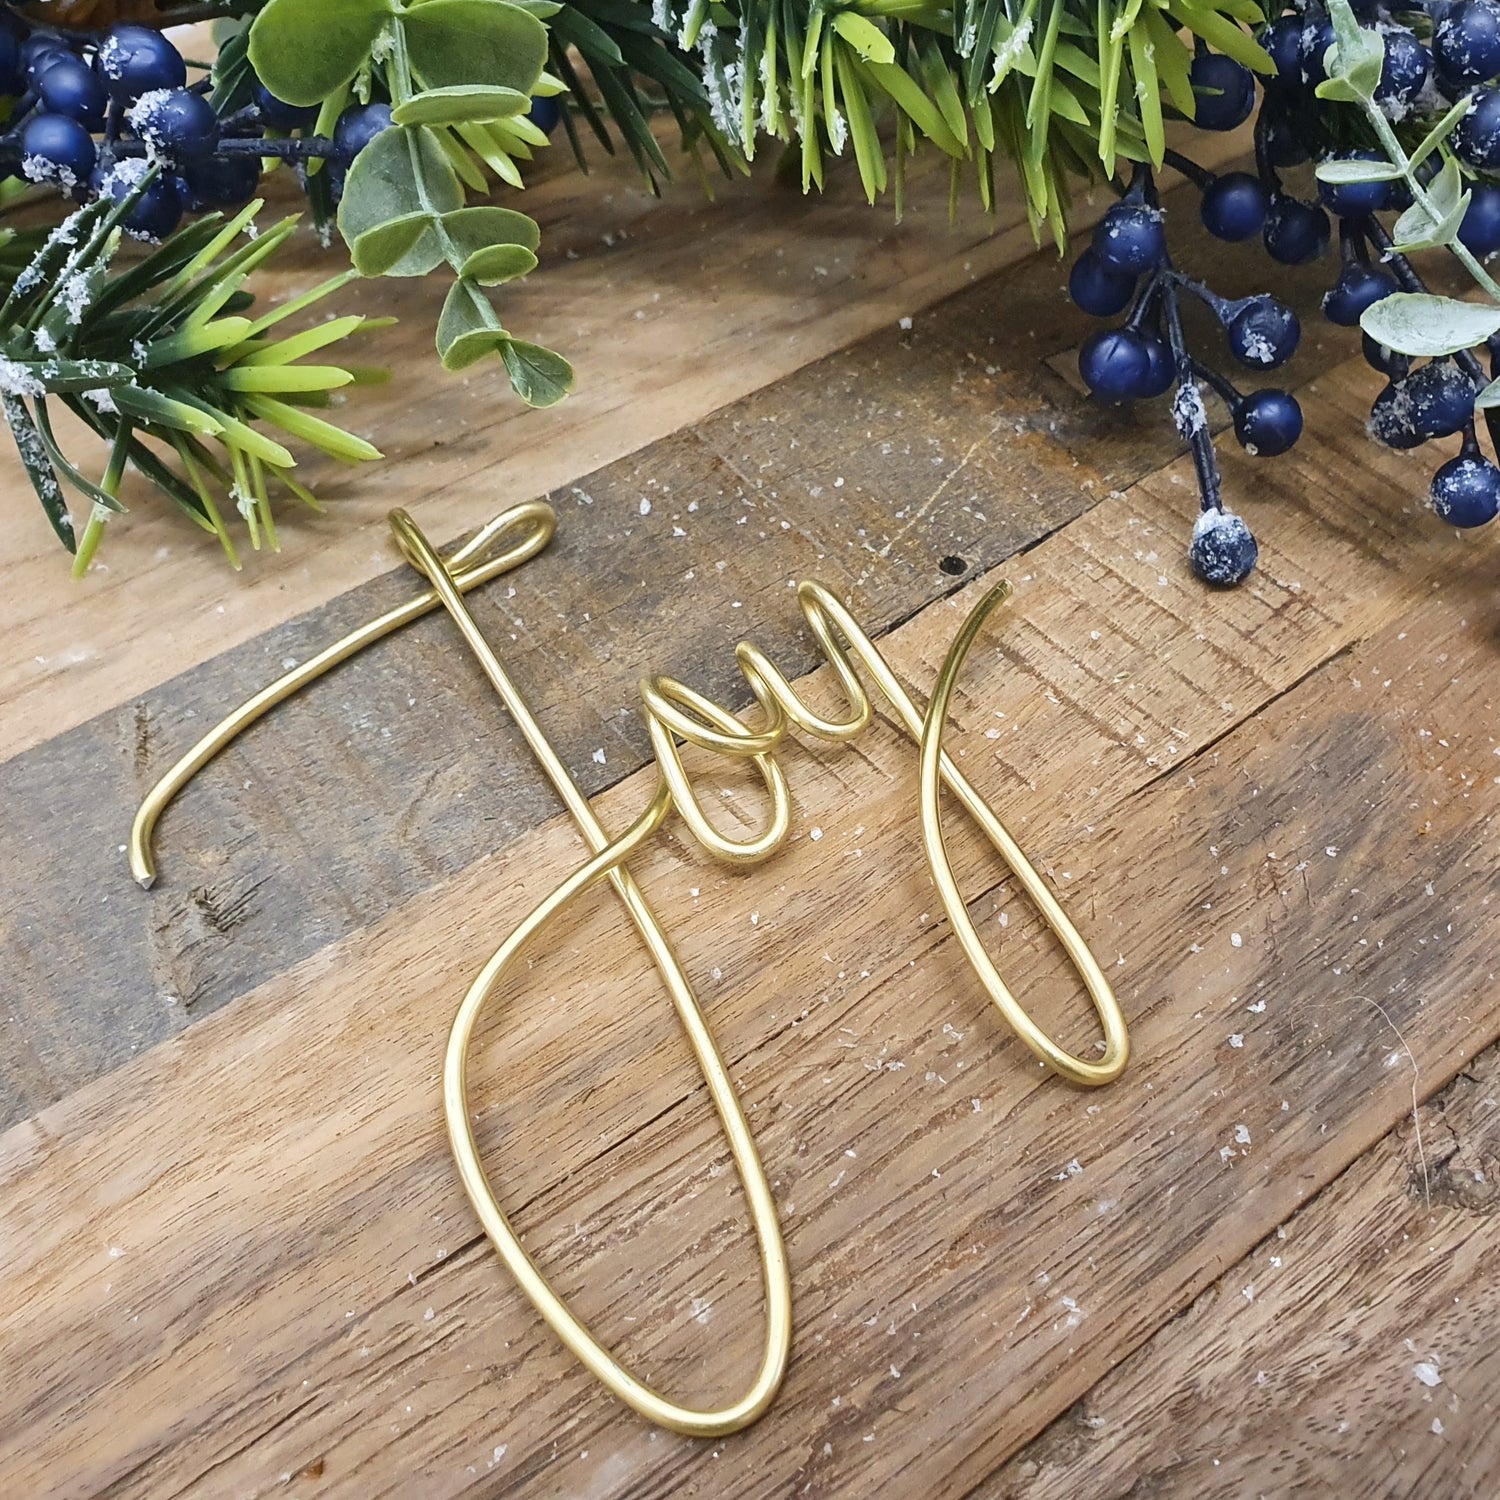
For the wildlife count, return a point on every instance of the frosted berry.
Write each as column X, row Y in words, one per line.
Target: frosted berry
column 1224, row 90
column 1480, row 230
column 1391, row 418
column 1264, row 333
column 1359, row 287
column 1223, row 552
column 1234, row 206
column 39, row 52
column 135, row 60
column 158, row 210
column 1282, row 39
column 1466, row 491
column 1406, row 68
column 1477, row 138
column 1352, row 200
column 56, row 148
column 1116, row 365
column 1441, row 397
column 1466, row 42
column 1098, row 290
column 1317, row 37
column 1295, row 232
column 1130, row 239
column 1267, row 423
column 176, row 123
column 358, row 126
column 69, row 87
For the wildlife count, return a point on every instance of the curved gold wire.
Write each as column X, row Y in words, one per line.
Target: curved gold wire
column 480, row 559
column 608, row 861
column 936, row 768
column 675, row 711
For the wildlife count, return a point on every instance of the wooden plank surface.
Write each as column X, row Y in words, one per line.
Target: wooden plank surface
column 1355, row 1351
column 953, row 444
column 1245, row 797
column 241, row 1264
column 671, row 306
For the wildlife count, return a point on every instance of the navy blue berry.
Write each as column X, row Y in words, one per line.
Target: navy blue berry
column 68, row 87
column 1264, row 333
column 277, row 114
column 1441, row 399
column 1234, row 206
column 1117, row 365
column 1466, row 491
column 1223, row 552
column 1477, row 139
column 1282, row 39
column 1359, row 287
column 1407, row 66
column 545, row 113
column 1284, row 143
column 176, row 123
column 1097, row 289
column 1352, row 200
column 1480, row 230
column 1130, row 239
column 1161, row 368
column 39, row 52
column 1391, row 418
column 158, row 210
column 1317, row 37
column 135, row 60
column 358, row 126
column 56, row 148
column 218, row 182
column 1466, row 42
column 1382, row 357
column 1295, row 232
column 1267, row 423
column 1224, row 90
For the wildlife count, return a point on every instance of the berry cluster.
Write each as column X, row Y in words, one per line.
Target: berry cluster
column 114, row 115
column 1453, row 54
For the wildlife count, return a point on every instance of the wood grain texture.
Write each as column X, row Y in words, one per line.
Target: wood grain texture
column 242, row 1263
column 954, row 444
column 1355, row 1351
column 671, row 306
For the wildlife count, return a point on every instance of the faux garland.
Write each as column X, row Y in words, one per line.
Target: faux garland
column 404, row 120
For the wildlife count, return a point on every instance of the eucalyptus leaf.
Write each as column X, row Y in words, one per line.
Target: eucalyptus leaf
column 1424, row 324
column 1358, row 171
column 1489, row 397
column 302, row 51
column 490, row 43
column 539, row 376
column 403, row 172
column 497, row 263
column 468, row 329
column 461, row 104
column 408, row 246
column 473, row 229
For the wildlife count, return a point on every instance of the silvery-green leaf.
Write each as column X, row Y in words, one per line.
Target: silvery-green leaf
column 1441, row 131
column 1489, row 397
column 1422, row 324
column 1357, row 171
column 1357, row 55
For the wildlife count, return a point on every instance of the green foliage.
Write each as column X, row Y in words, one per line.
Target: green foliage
column 162, row 360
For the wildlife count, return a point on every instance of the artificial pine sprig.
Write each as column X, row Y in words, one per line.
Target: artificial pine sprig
column 160, row 359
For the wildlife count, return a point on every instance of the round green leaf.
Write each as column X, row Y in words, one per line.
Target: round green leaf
column 497, row 263
column 302, row 52
column 382, row 184
column 540, row 377
column 490, row 43
column 477, row 228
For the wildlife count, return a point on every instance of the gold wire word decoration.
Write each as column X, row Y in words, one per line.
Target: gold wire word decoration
column 675, row 711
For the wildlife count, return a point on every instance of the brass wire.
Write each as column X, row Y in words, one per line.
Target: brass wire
column 675, row 711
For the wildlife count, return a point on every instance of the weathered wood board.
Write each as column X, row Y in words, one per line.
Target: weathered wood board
column 241, row 1264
